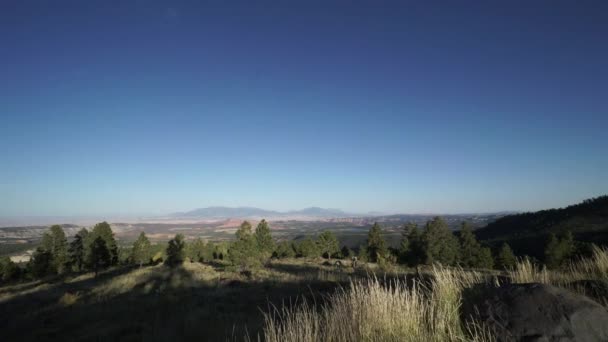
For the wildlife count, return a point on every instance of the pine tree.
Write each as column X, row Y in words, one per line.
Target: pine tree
column 76, row 251
column 196, row 250
column 375, row 243
column 8, row 269
column 99, row 257
column 346, row 252
column 559, row 250
column 284, row 249
column 327, row 244
column 505, row 259
column 55, row 243
column 175, row 251
column 308, row 248
column 244, row 251
column 40, row 263
column 485, row 259
column 141, row 252
column 264, row 241
column 416, row 255
column 439, row 244
column 104, row 231
column 405, row 245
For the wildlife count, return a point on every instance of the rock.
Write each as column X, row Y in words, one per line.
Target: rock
column 536, row 312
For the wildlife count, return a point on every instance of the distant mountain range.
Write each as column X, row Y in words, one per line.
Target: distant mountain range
column 218, row 213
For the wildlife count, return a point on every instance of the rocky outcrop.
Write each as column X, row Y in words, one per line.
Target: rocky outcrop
column 536, row 312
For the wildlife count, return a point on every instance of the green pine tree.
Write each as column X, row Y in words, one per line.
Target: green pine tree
column 76, row 251
column 141, row 251
column 505, row 259
column 175, row 251
column 327, row 244
column 99, row 256
column 244, row 251
column 439, row 244
column 263, row 238
column 8, row 269
column 308, row 248
column 104, row 231
column 376, row 245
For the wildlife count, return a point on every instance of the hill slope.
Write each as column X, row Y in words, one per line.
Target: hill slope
column 527, row 232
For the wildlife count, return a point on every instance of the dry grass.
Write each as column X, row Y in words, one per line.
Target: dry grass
column 375, row 310
column 593, row 268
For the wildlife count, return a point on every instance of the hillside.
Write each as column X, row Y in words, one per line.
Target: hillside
column 526, row 232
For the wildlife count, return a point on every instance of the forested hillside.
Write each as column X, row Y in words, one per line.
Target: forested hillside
column 526, row 233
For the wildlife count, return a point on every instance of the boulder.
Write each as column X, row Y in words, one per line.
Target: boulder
column 536, row 312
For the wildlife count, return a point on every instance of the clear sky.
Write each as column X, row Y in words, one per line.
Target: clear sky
column 143, row 107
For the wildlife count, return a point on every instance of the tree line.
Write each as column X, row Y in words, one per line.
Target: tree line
column 97, row 249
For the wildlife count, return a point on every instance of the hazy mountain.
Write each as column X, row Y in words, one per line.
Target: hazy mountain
column 226, row 212
column 319, row 212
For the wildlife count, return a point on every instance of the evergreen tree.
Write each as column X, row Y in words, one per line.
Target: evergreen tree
column 327, row 244
column 41, row 263
column 375, row 243
column 416, row 255
column 505, row 259
column 485, row 259
column 558, row 250
column 76, row 251
column 346, row 252
column 363, row 255
column 104, row 231
column 175, row 251
column 99, row 257
column 308, row 248
column 438, row 242
column 8, row 269
column 244, row 251
column 405, row 245
column 141, row 251
column 55, row 243
column 285, row 249
column 196, row 250
column 264, row 241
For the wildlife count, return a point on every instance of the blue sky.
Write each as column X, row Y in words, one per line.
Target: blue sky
column 143, row 107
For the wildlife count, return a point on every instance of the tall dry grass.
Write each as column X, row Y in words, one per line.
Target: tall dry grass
column 375, row 310
column 593, row 268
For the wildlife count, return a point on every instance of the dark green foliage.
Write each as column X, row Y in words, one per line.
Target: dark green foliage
column 363, row 255
column 41, row 263
column 405, row 245
column 346, row 252
column 8, row 269
column 327, row 244
column 104, row 231
column 99, row 256
column 376, row 245
column 558, row 250
column 76, row 251
column 438, row 243
column 196, row 250
column 141, row 252
column 265, row 243
column 55, row 243
column 285, row 249
column 505, row 258
column 588, row 221
column 415, row 255
column 175, row 251
column 308, row 249
column 472, row 254
column 244, row 251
